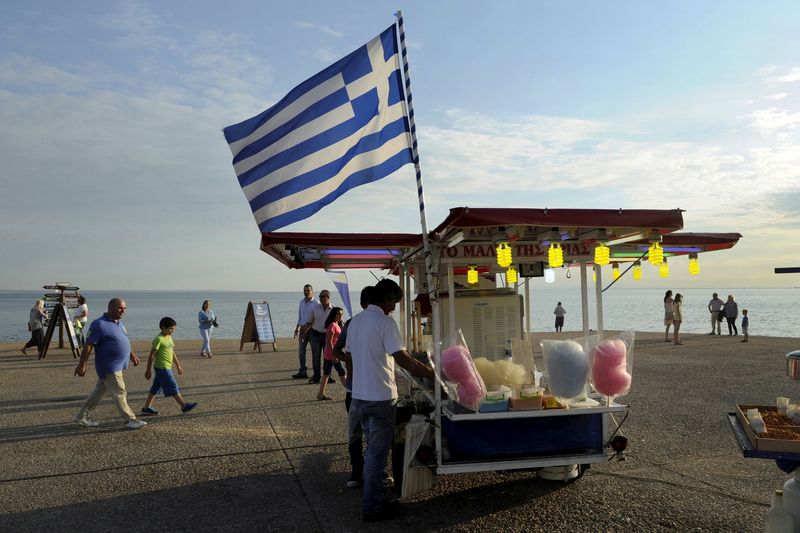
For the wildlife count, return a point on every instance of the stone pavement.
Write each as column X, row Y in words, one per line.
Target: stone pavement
column 260, row 453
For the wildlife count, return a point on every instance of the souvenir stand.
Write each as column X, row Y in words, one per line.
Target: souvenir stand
column 563, row 441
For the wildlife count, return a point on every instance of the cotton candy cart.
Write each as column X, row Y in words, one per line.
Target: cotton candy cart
column 486, row 305
column 785, row 454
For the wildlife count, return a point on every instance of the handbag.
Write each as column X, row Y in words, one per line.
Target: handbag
column 215, row 323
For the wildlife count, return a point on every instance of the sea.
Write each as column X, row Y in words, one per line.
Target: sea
column 773, row 312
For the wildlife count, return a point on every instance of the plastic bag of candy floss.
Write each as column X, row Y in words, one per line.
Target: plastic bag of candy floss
column 612, row 365
column 459, row 368
column 567, row 368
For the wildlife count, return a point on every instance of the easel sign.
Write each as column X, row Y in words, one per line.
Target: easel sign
column 258, row 326
column 61, row 313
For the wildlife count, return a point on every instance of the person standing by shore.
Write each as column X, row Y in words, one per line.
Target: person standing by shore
column 559, row 312
column 668, row 314
column 731, row 311
column 677, row 317
column 36, row 327
column 206, row 319
column 745, row 325
column 303, row 311
column 81, row 319
column 109, row 339
column 715, row 307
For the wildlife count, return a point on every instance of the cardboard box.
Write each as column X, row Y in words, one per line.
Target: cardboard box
column 762, row 444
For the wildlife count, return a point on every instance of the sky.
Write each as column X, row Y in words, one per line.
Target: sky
column 115, row 173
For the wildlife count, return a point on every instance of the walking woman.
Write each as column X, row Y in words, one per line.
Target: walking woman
column 206, row 319
column 677, row 317
column 669, row 313
column 731, row 311
column 36, row 327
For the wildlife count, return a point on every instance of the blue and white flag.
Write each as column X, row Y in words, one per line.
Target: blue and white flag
column 341, row 128
column 339, row 279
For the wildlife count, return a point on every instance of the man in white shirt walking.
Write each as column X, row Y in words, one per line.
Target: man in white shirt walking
column 315, row 332
column 303, row 311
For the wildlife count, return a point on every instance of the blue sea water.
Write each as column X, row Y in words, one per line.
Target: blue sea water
column 773, row 312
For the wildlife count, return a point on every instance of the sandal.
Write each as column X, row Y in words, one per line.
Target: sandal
column 323, row 397
column 24, row 351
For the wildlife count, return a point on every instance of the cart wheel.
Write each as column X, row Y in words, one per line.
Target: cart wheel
column 581, row 470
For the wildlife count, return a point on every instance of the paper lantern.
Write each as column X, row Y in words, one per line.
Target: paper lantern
column 503, row 254
column 511, row 275
column 663, row 269
column 472, row 275
column 555, row 255
column 615, row 272
column 655, row 254
column 637, row 270
column 549, row 275
column 601, row 254
column 694, row 266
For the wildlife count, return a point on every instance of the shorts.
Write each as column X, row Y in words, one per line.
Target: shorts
column 559, row 321
column 164, row 379
column 330, row 365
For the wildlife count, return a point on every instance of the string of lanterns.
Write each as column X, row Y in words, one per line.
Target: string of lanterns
column 602, row 257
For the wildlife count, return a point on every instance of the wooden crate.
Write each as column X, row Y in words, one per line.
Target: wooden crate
column 762, row 444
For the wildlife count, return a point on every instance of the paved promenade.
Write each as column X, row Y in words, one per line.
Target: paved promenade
column 260, row 453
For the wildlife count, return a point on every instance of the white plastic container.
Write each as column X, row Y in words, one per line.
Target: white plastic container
column 791, row 498
column 778, row 519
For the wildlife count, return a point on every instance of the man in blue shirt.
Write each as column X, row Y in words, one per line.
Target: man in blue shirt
column 109, row 339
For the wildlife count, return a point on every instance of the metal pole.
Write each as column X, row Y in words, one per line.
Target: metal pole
column 599, row 300
column 430, row 275
column 584, row 300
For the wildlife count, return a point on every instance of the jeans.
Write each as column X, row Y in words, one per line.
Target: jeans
column 732, row 325
column 303, row 345
column 115, row 386
column 317, row 343
column 355, row 443
column 205, row 334
column 377, row 420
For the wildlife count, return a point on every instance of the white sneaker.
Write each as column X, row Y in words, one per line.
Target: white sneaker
column 135, row 424
column 85, row 422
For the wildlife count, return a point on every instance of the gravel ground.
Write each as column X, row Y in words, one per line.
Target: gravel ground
column 260, row 453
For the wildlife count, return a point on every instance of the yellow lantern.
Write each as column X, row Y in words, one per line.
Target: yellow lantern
column 511, row 275
column 472, row 275
column 555, row 255
column 655, row 254
column 503, row 254
column 663, row 270
column 694, row 266
column 637, row 270
column 615, row 272
column 601, row 254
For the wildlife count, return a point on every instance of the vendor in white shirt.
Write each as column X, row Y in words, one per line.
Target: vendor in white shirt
column 375, row 344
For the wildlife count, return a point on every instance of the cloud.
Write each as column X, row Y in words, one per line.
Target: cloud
column 326, row 55
column 324, row 29
column 135, row 25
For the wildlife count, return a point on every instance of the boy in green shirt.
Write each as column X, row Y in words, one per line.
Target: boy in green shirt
column 161, row 357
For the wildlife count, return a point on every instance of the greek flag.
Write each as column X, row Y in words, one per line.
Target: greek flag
column 339, row 279
column 341, row 128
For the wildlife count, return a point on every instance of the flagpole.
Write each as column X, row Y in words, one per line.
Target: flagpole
column 412, row 133
column 432, row 293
